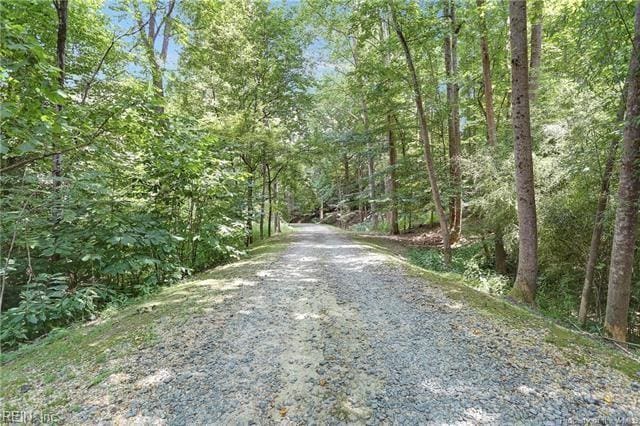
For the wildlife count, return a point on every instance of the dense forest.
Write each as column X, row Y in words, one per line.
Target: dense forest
column 146, row 140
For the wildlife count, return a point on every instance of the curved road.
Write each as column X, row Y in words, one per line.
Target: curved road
column 331, row 332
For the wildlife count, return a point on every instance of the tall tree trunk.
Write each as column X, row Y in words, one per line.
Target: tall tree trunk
column 370, row 153
column 525, row 284
column 451, row 68
column 347, row 184
column 486, row 79
column 277, row 213
column 62, row 8
column 263, row 200
column 148, row 40
column 492, row 138
column 537, row 11
column 370, row 166
column 425, row 138
column 166, row 36
column 270, row 201
column 624, row 236
column 598, row 223
column 393, row 208
column 290, row 201
column 359, row 190
column 392, row 214
column 249, row 223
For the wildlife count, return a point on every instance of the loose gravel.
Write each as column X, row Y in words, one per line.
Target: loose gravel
column 332, row 332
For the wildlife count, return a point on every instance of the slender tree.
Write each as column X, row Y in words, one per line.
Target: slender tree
column 537, row 10
column 598, row 223
column 367, row 131
column 487, row 83
column 156, row 60
column 626, row 223
column 453, row 95
column 489, row 111
column 525, row 283
column 62, row 8
column 425, row 138
column 392, row 179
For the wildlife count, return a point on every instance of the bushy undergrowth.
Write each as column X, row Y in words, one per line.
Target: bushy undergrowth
column 467, row 261
column 48, row 303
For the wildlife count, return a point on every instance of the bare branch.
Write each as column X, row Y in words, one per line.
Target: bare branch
column 91, row 80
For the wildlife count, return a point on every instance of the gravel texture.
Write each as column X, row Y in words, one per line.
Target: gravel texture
column 332, row 332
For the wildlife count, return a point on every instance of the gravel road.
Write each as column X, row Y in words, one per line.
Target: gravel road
column 332, row 332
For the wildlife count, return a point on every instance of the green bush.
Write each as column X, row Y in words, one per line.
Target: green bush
column 48, row 303
column 467, row 261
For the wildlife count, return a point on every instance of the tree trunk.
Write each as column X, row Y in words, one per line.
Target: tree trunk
column 525, row 284
column 500, row 253
column 249, row 223
column 486, row 79
column 451, row 69
column 492, row 138
column 263, row 198
column 347, row 183
column 370, row 154
column 537, row 10
column 359, row 191
column 62, row 7
column 598, row 224
column 148, row 40
column 393, row 209
column 425, row 138
column 277, row 213
column 624, row 236
column 166, row 36
column 370, row 166
column 270, row 201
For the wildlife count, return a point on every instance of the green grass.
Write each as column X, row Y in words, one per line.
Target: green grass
column 100, row 377
column 580, row 348
column 82, row 352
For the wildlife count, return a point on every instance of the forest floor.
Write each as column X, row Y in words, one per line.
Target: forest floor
column 318, row 328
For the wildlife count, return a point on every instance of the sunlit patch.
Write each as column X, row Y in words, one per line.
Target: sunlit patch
column 99, row 400
column 329, row 246
column 139, row 420
column 456, row 306
column 306, row 258
column 305, row 315
column 244, row 312
column 229, row 285
column 207, row 282
column 524, row 389
column 118, row 378
column 154, row 379
column 479, row 416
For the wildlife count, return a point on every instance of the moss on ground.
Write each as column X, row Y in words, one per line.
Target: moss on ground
column 578, row 347
column 82, row 351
